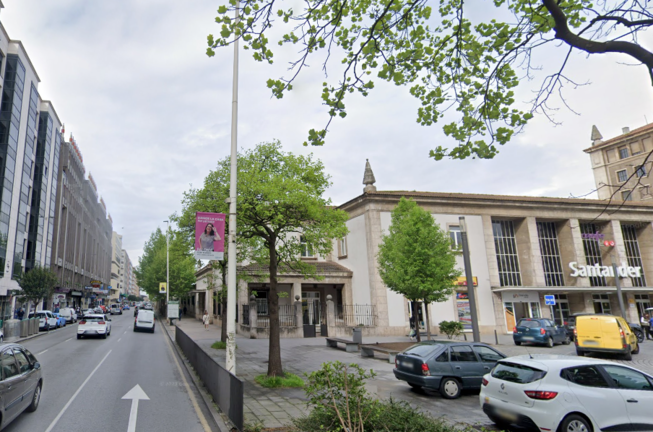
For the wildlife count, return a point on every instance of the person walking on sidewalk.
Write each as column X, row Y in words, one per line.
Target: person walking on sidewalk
column 205, row 319
column 646, row 326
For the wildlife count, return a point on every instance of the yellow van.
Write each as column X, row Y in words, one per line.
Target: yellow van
column 604, row 334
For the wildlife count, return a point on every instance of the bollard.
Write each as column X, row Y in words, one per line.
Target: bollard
column 496, row 337
column 465, row 336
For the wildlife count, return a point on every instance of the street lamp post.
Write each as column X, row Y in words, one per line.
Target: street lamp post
column 617, row 283
column 167, row 268
column 470, row 280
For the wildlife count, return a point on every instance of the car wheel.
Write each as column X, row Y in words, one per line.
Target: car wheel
column 450, row 388
column 549, row 342
column 628, row 355
column 579, row 352
column 636, row 350
column 517, row 343
column 567, row 341
column 575, row 423
column 36, row 398
column 79, row 336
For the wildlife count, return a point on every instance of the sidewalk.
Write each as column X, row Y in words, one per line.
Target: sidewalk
column 274, row 408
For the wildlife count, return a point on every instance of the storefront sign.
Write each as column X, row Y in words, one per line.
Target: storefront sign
column 464, row 313
column 76, row 294
column 62, row 290
column 596, row 236
column 520, row 296
column 599, row 270
column 95, row 283
column 462, row 281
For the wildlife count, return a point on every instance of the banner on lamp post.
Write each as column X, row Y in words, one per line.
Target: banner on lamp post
column 163, row 288
column 209, row 236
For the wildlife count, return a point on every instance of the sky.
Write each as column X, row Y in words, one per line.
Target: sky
column 151, row 113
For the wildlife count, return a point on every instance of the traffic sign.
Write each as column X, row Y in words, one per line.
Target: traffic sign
column 549, row 300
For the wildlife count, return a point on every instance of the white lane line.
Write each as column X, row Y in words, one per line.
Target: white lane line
column 43, row 352
column 68, row 339
column 119, row 339
column 70, row 401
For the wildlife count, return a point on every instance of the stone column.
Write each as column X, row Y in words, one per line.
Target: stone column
column 253, row 317
column 579, row 252
column 378, row 291
column 299, row 322
column 490, row 251
column 534, row 252
column 296, row 290
column 619, row 251
column 331, row 311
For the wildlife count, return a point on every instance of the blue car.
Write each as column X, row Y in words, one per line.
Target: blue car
column 125, row 307
column 61, row 321
column 539, row 331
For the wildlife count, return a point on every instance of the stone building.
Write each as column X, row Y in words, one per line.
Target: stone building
column 621, row 165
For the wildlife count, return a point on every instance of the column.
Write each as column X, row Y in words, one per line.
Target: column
column 378, row 291
column 296, row 290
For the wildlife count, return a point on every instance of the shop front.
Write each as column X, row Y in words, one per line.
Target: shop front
column 518, row 305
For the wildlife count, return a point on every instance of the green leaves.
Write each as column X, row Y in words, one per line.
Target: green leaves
column 37, row 284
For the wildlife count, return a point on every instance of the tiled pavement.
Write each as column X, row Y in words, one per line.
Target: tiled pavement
column 274, row 408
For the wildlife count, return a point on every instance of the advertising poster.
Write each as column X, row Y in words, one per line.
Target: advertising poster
column 464, row 313
column 209, row 236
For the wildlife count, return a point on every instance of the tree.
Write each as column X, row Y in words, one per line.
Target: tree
column 415, row 258
column 133, row 298
column 152, row 266
column 280, row 197
column 447, row 60
column 37, row 284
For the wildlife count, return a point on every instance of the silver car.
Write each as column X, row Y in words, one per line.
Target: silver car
column 20, row 388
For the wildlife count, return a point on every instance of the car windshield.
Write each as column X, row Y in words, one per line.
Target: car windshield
column 528, row 324
column 421, row 350
column 517, row 373
column 95, row 318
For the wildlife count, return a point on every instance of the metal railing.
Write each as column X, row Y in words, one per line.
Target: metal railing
column 286, row 317
column 225, row 388
column 355, row 315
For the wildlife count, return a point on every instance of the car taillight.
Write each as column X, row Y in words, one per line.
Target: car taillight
column 514, row 329
column 485, row 382
column 101, row 322
column 542, row 331
column 566, row 323
column 541, row 395
column 425, row 370
column 82, row 322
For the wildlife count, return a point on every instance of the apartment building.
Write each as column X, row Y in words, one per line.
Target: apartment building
column 622, row 164
column 116, row 267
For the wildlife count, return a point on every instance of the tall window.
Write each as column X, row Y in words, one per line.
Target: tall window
column 456, row 238
column 632, row 253
column 506, row 248
column 550, row 250
column 641, row 171
column 627, row 195
column 622, row 175
column 602, row 303
column 342, row 247
column 623, row 152
column 561, row 309
column 643, row 302
column 307, row 250
column 592, row 252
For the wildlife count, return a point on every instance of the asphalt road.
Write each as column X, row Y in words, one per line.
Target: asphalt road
column 85, row 381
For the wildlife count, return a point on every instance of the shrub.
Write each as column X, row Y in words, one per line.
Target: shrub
column 219, row 345
column 451, row 328
column 289, row 380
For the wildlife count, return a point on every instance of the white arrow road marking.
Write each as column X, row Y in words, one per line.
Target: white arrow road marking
column 135, row 395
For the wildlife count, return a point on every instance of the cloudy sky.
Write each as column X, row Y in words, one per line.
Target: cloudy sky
column 151, row 112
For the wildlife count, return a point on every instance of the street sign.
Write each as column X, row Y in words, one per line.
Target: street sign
column 173, row 309
column 162, row 288
column 549, row 300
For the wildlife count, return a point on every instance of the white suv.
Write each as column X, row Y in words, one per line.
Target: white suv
column 567, row 394
column 47, row 321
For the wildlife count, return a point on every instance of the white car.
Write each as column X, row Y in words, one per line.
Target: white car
column 94, row 325
column 144, row 321
column 567, row 394
column 47, row 320
column 115, row 309
column 69, row 314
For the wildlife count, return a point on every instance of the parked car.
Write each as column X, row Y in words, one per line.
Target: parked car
column 69, row 314
column 94, row 325
column 144, row 321
column 47, row 320
column 61, row 321
column 567, row 394
column 570, row 325
column 20, row 388
column 115, row 309
column 125, row 307
column 448, row 367
column 605, row 334
column 539, row 331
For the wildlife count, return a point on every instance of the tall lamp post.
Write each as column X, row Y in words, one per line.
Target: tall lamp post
column 617, row 283
column 167, row 268
column 470, row 280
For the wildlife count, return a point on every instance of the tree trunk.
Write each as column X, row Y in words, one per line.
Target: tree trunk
column 416, row 321
column 274, row 356
column 428, row 321
column 223, row 300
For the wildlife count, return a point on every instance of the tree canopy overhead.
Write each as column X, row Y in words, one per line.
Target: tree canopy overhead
column 448, row 61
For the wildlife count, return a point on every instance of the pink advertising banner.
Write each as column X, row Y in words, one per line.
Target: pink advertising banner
column 209, row 236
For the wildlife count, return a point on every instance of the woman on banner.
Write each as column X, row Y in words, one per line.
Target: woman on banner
column 207, row 238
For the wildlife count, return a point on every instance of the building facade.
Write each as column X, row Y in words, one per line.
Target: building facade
column 117, row 266
column 621, row 165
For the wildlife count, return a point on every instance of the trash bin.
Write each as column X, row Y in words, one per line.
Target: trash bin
column 24, row 328
column 358, row 335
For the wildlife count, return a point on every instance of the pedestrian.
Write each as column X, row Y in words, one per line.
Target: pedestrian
column 180, row 314
column 21, row 313
column 650, row 326
column 646, row 325
column 205, row 319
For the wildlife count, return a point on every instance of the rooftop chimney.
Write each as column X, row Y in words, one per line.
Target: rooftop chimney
column 625, row 130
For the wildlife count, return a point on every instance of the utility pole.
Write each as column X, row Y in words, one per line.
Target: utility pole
column 233, row 193
column 617, row 283
column 167, row 268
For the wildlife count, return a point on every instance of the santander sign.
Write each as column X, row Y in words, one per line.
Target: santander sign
column 599, row 270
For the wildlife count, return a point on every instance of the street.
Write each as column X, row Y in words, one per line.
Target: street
column 87, row 381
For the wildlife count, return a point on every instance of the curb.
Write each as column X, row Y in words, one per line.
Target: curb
column 215, row 413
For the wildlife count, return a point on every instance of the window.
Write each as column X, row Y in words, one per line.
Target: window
column 627, row 195
column 8, row 365
column 641, row 171
column 592, row 250
column 462, row 353
column 643, row 302
column 487, row 354
column 602, row 303
column 442, row 358
column 628, row 379
column 550, row 250
column 623, row 152
column 622, row 175
column 633, row 256
column 506, row 248
column 561, row 309
column 456, row 238
column 588, row 376
column 307, row 250
column 342, row 247
column 23, row 363
column 517, row 373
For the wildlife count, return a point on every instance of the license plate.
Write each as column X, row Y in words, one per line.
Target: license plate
column 590, row 342
column 528, row 338
column 405, row 364
column 506, row 415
